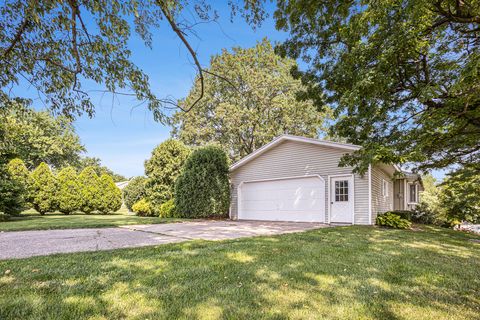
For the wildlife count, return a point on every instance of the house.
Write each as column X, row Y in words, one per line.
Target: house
column 299, row 179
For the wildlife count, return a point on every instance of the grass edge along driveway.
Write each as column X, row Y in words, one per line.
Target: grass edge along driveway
column 333, row 273
column 34, row 221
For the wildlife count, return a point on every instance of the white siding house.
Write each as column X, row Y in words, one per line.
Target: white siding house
column 299, row 179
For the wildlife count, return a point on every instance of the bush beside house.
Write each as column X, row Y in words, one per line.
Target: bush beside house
column 162, row 170
column 202, row 190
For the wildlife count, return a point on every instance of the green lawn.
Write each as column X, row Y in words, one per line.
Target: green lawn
column 334, row 273
column 31, row 220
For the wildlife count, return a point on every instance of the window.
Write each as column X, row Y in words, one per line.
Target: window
column 412, row 191
column 384, row 188
column 341, row 190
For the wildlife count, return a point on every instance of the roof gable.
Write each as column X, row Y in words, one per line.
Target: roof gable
column 275, row 142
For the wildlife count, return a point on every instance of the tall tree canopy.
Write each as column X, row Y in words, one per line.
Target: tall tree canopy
column 256, row 104
column 57, row 47
column 403, row 75
column 100, row 169
column 37, row 137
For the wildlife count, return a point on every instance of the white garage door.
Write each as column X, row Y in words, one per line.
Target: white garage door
column 291, row 199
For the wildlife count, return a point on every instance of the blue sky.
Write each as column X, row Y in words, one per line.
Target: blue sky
column 123, row 136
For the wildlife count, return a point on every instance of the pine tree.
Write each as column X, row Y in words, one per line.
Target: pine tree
column 89, row 189
column 110, row 195
column 69, row 196
column 43, row 189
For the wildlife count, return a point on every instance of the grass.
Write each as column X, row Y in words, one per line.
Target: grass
column 30, row 220
column 334, row 273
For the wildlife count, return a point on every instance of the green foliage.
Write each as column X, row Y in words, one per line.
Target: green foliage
column 69, row 195
column 460, row 196
column 44, row 189
column 110, row 195
column 4, row 217
column 134, row 191
column 256, row 105
column 19, row 191
column 202, row 189
column 37, row 136
column 403, row 75
column 96, row 163
column 162, row 169
column 90, row 190
column 60, row 47
column 143, row 208
column 391, row 220
column 404, row 214
column 168, row 210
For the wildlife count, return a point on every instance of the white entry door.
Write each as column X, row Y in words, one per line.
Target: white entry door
column 289, row 199
column 341, row 199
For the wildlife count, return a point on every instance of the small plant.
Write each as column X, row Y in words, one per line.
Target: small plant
column 143, row 208
column 391, row 220
column 168, row 210
column 134, row 191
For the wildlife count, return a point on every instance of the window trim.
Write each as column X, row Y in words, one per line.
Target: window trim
column 409, row 184
column 384, row 188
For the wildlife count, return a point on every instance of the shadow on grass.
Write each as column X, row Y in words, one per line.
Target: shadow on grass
column 338, row 273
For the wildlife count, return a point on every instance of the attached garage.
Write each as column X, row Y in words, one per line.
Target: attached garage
column 285, row 199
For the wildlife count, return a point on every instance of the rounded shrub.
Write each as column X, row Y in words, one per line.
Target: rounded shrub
column 391, row 220
column 19, row 187
column 162, row 170
column 90, row 190
column 110, row 195
column 143, row 208
column 69, row 196
column 44, row 188
column 168, row 210
column 202, row 189
column 134, row 191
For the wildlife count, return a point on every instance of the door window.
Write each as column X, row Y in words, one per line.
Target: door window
column 341, row 190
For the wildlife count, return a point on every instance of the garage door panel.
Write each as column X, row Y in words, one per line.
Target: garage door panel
column 295, row 199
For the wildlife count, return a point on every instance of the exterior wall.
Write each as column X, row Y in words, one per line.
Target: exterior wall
column 292, row 158
column 381, row 203
column 399, row 194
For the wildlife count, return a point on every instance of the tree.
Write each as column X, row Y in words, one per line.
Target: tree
column 403, row 75
column 256, row 105
column 162, row 169
column 460, row 196
column 15, row 189
column 202, row 190
column 134, row 191
column 58, row 47
column 96, row 163
column 37, row 136
column 44, row 189
column 69, row 196
column 110, row 195
column 90, row 190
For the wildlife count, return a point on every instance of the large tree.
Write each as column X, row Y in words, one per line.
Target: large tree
column 100, row 169
column 37, row 136
column 256, row 104
column 58, row 47
column 404, row 75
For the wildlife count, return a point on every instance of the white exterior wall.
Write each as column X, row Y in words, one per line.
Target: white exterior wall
column 295, row 158
column 381, row 203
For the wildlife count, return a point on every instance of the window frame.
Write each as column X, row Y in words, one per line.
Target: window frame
column 415, row 201
column 384, row 188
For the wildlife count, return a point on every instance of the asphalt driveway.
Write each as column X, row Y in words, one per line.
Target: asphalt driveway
column 22, row 244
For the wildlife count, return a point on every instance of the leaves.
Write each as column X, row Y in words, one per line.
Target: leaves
column 250, row 98
column 402, row 75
